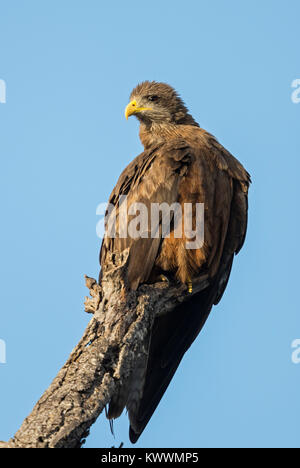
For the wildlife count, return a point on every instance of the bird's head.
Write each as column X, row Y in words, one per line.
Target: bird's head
column 153, row 102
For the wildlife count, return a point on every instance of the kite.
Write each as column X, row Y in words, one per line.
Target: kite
column 182, row 165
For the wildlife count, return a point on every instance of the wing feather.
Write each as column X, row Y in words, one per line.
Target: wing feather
column 173, row 334
column 153, row 177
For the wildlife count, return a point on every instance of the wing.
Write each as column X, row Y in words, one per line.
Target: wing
column 173, row 334
column 153, row 177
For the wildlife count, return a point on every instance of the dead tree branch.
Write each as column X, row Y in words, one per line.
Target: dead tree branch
column 101, row 362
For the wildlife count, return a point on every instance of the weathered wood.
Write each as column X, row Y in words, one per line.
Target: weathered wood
column 101, row 362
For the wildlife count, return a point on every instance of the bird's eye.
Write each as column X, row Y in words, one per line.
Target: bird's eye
column 153, row 98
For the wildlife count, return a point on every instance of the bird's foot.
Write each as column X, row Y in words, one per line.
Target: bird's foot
column 190, row 287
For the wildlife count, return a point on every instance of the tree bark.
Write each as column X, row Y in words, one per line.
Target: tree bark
column 102, row 361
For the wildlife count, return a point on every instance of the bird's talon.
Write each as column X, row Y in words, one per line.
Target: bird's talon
column 163, row 278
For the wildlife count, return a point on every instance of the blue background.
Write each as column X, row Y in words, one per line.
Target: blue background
column 69, row 68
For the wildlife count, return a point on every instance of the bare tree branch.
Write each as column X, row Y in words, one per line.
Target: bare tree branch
column 101, row 362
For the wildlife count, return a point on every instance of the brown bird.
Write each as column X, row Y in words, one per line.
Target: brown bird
column 181, row 164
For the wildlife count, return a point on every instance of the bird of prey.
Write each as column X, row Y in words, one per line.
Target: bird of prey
column 181, row 163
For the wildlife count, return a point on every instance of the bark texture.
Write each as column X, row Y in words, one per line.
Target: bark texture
column 102, row 361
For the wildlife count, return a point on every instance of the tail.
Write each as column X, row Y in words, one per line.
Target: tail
column 172, row 335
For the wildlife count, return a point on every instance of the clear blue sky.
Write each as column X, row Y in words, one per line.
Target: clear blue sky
column 69, row 68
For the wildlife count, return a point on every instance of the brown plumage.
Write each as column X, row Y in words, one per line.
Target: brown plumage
column 182, row 163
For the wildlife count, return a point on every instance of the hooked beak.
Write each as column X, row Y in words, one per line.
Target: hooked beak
column 133, row 108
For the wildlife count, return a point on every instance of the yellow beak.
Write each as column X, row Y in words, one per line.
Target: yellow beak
column 133, row 108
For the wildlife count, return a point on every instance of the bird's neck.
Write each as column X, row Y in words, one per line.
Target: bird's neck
column 156, row 133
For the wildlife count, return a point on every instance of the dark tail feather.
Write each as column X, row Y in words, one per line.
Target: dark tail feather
column 172, row 335
column 111, row 422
